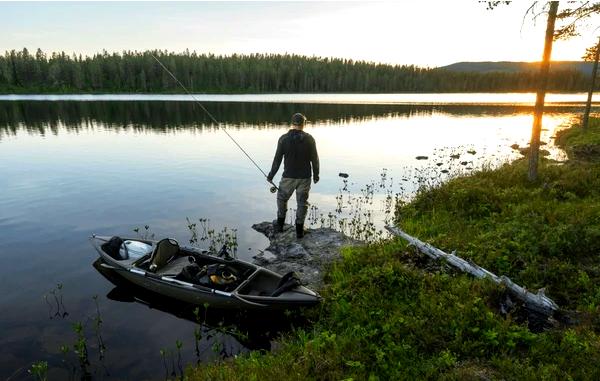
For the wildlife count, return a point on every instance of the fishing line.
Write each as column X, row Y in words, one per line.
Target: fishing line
column 274, row 187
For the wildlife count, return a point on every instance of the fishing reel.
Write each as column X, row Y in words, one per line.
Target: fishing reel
column 273, row 188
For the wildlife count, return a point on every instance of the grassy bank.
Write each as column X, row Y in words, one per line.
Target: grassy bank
column 388, row 313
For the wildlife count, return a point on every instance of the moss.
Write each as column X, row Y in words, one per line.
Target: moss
column 386, row 317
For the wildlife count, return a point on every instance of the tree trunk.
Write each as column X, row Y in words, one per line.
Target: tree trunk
column 538, row 301
column 588, row 104
column 534, row 146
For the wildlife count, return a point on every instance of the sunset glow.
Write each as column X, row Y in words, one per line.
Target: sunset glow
column 385, row 32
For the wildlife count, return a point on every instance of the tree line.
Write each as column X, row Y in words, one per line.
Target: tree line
column 138, row 72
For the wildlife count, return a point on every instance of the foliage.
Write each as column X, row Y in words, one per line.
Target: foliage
column 573, row 16
column 590, row 53
column 385, row 317
column 138, row 72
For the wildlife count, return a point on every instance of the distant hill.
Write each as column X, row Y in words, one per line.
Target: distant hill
column 516, row 67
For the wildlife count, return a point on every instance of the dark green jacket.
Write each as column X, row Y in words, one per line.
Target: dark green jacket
column 299, row 151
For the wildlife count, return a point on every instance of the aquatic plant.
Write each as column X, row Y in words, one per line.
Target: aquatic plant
column 216, row 240
column 81, row 350
column 163, row 356
column 179, row 345
column 58, row 308
column 146, row 233
column 97, row 330
column 39, row 370
column 197, row 338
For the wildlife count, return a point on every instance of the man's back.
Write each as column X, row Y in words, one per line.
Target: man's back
column 299, row 150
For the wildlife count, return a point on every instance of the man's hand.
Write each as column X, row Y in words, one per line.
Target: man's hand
column 316, row 179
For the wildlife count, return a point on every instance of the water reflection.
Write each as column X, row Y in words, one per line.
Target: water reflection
column 47, row 117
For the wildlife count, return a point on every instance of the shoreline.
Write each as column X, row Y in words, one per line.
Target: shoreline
column 510, row 99
column 389, row 313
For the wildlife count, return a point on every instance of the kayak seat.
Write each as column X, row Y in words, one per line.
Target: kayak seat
column 174, row 267
column 288, row 282
column 112, row 246
column 166, row 249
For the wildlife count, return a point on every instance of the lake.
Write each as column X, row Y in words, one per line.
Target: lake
column 72, row 166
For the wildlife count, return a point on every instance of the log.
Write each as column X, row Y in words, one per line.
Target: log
column 538, row 301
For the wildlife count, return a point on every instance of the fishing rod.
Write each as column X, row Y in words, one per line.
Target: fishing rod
column 274, row 188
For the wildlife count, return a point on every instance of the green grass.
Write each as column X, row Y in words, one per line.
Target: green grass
column 389, row 314
column 545, row 234
column 579, row 144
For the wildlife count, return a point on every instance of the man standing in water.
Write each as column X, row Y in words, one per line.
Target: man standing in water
column 300, row 151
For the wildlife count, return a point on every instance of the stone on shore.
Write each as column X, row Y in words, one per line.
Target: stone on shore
column 306, row 256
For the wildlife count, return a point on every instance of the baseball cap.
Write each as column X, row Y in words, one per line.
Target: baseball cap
column 298, row 119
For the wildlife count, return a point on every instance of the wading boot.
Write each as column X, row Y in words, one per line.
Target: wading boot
column 299, row 231
column 279, row 225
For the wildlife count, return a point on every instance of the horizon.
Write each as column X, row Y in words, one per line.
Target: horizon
column 377, row 32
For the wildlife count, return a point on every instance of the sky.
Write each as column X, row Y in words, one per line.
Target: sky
column 422, row 33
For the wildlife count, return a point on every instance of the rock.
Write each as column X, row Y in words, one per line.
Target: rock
column 306, row 256
column 455, row 156
column 471, row 152
column 525, row 151
column 515, row 146
column 422, row 157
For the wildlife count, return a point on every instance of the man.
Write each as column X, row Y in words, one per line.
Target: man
column 300, row 151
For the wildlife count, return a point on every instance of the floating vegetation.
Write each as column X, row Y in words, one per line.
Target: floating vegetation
column 203, row 236
column 361, row 214
column 56, row 308
column 97, row 327
column 145, row 233
column 39, row 370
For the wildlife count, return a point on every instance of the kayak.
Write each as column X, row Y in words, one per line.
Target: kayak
column 254, row 329
column 199, row 277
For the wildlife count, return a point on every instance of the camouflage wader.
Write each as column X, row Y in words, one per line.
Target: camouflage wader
column 287, row 186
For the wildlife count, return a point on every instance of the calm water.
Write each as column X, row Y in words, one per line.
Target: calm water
column 69, row 169
column 407, row 99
